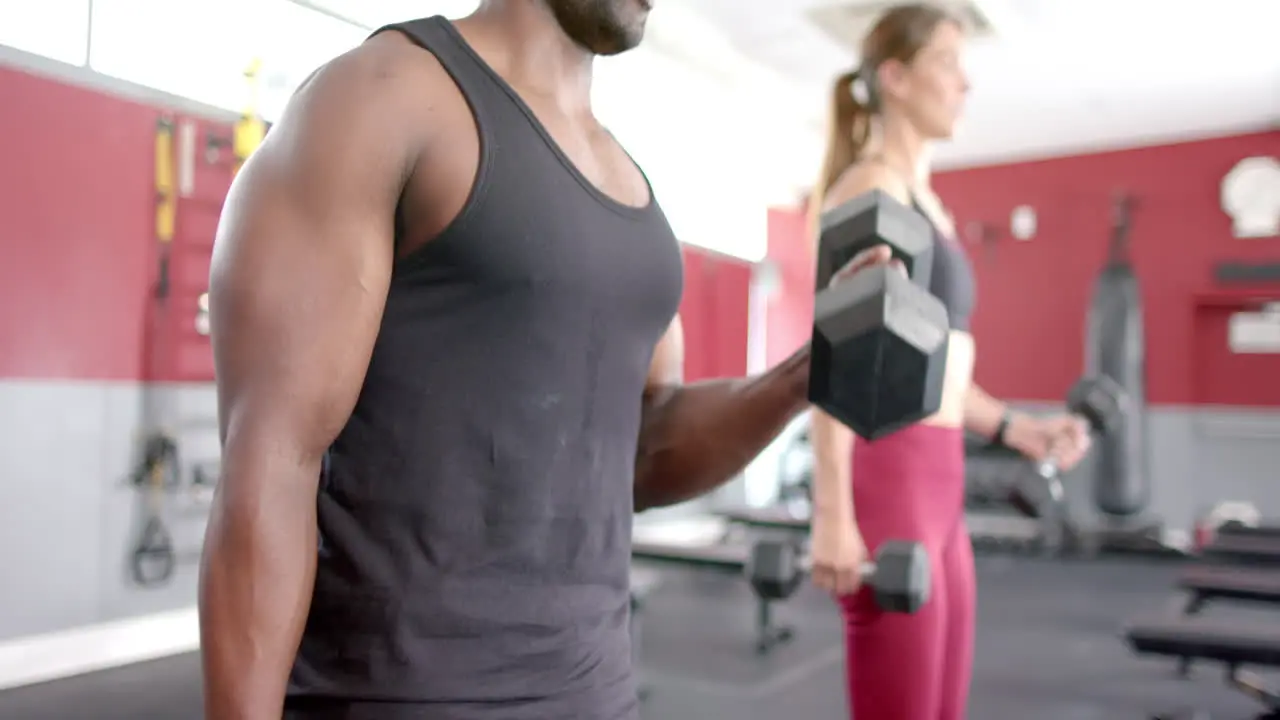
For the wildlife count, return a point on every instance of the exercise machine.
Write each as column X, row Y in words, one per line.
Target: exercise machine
column 995, row 490
column 1042, row 520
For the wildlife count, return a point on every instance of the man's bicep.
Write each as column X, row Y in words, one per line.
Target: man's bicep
column 301, row 269
column 667, row 366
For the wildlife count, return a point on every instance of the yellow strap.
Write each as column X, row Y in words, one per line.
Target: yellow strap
column 247, row 136
column 250, row 130
column 166, row 200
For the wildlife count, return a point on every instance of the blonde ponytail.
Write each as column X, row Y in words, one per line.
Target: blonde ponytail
column 849, row 127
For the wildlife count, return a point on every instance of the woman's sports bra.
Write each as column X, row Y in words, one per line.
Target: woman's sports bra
column 952, row 281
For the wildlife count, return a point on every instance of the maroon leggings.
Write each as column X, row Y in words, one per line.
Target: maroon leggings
column 910, row 486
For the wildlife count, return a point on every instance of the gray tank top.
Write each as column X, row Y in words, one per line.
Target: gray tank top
column 475, row 512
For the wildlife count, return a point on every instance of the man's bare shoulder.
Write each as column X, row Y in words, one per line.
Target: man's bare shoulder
column 386, row 73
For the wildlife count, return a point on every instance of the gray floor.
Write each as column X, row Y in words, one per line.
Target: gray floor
column 1048, row 649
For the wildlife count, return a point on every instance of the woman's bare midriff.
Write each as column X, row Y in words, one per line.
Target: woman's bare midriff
column 960, row 357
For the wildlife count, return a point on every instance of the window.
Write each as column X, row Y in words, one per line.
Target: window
column 687, row 131
column 376, row 13
column 57, row 29
column 199, row 49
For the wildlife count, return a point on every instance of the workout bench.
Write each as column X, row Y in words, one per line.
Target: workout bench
column 765, row 519
column 1233, row 644
column 1255, row 548
column 1268, row 529
column 1204, row 583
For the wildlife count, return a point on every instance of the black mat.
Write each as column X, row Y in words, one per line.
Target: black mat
column 1048, row 648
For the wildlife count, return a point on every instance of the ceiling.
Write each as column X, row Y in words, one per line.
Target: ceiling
column 1051, row 77
column 1056, row 76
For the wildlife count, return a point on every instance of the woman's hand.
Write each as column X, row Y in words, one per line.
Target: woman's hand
column 838, row 554
column 1061, row 438
column 875, row 255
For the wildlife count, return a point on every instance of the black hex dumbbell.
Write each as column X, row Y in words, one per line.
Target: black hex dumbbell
column 1100, row 401
column 898, row 577
column 899, row 573
column 879, row 339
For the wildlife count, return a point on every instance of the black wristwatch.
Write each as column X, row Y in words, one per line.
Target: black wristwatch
column 997, row 438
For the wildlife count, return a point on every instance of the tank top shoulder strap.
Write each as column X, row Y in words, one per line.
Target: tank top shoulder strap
column 482, row 90
column 436, row 35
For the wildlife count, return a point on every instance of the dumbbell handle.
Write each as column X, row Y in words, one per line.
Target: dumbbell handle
column 866, row 570
column 1049, row 471
column 1048, row 468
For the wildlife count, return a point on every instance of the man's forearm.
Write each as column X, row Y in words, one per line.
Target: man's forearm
column 255, row 591
column 983, row 413
column 696, row 437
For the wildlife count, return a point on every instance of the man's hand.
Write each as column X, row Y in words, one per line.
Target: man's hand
column 875, row 255
column 1064, row 439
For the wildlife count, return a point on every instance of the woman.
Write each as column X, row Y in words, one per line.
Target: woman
column 907, row 93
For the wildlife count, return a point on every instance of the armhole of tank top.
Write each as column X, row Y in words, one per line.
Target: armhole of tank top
column 414, row 32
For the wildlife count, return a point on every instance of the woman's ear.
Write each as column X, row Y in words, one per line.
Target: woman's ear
column 891, row 80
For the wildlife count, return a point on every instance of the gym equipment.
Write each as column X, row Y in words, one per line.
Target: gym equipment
column 1102, row 403
column 1247, row 549
column 795, row 475
column 999, row 513
column 899, row 575
column 643, row 583
column 153, row 558
column 1230, row 516
column 878, row 357
column 1115, row 348
column 1204, row 583
column 1263, row 529
column 721, row 557
column 726, row 557
column 766, row 519
column 1233, row 644
column 1045, row 524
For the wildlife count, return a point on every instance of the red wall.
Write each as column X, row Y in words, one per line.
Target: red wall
column 77, row 213
column 75, row 225
column 1033, row 295
column 714, row 312
column 77, row 209
column 788, row 325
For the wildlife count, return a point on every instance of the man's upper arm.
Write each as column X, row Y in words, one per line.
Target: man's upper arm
column 667, row 367
column 303, row 261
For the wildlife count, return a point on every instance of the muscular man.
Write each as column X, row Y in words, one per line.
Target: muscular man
column 449, row 369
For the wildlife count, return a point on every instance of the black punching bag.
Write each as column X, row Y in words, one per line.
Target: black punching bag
column 1115, row 346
